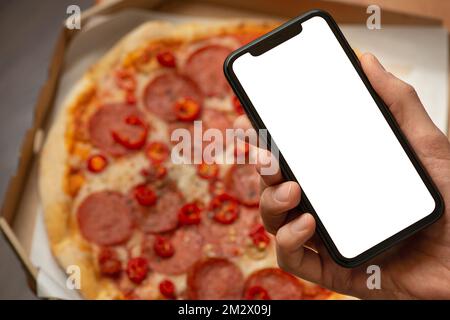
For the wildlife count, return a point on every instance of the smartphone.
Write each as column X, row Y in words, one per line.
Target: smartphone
column 361, row 180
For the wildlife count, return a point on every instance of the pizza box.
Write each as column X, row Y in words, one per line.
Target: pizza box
column 21, row 220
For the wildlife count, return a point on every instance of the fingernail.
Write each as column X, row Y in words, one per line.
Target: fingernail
column 300, row 224
column 283, row 192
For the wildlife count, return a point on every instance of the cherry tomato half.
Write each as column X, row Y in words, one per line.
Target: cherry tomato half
column 109, row 263
column 163, row 248
column 187, row 109
column 167, row 289
column 225, row 208
column 144, row 195
column 97, row 163
column 208, row 171
column 125, row 80
column 137, row 269
column 157, row 152
column 259, row 236
column 166, row 59
column 189, row 214
column 124, row 138
column 237, row 105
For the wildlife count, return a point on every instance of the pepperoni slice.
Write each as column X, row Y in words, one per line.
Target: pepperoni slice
column 130, row 140
column 228, row 240
column 242, row 182
column 162, row 93
column 111, row 118
column 213, row 118
column 105, row 218
column 276, row 283
column 187, row 243
column 163, row 215
column 256, row 293
column 215, row 279
column 205, row 67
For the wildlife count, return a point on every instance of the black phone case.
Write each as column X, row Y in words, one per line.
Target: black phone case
column 278, row 36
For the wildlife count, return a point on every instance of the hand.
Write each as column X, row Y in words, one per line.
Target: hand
column 418, row 267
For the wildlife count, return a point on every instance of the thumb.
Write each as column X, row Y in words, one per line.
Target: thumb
column 292, row 256
column 400, row 97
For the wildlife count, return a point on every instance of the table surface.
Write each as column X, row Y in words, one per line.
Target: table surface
column 28, row 31
column 24, row 59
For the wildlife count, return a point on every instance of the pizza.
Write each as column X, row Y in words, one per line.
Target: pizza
column 137, row 224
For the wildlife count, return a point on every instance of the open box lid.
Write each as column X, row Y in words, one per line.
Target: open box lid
column 343, row 13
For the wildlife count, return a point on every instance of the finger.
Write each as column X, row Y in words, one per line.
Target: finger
column 266, row 163
column 276, row 201
column 245, row 131
column 268, row 167
column 400, row 97
column 292, row 256
column 315, row 243
column 242, row 122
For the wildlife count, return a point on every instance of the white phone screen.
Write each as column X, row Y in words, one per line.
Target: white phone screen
column 334, row 138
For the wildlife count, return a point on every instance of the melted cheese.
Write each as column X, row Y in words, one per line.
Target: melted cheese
column 124, row 173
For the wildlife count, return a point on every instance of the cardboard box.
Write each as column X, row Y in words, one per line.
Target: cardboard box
column 17, row 218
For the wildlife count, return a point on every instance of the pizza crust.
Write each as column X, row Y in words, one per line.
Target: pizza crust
column 66, row 242
column 186, row 32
